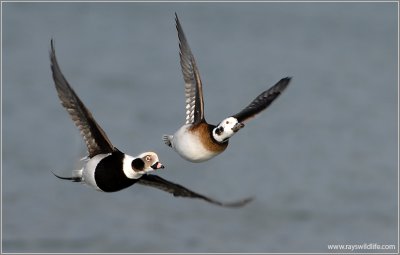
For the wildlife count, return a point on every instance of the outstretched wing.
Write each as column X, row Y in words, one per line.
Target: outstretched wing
column 95, row 138
column 180, row 191
column 261, row 102
column 193, row 87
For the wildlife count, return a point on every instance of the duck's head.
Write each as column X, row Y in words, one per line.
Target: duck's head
column 146, row 162
column 226, row 128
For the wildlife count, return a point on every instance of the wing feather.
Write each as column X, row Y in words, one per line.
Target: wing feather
column 95, row 138
column 193, row 86
column 180, row 191
column 262, row 101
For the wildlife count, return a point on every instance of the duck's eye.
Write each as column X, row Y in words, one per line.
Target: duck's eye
column 227, row 122
column 147, row 158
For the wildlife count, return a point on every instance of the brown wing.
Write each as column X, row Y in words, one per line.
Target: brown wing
column 193, row 87
column 261, row 102
column 95, row 138
column 180, row 191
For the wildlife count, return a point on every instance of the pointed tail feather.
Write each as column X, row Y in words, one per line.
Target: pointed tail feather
column 73, row 178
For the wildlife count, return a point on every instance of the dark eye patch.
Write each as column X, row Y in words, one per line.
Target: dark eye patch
column 219, row 130
column 138, row 164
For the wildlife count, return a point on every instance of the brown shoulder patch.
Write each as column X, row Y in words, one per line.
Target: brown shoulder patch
column 204, row 131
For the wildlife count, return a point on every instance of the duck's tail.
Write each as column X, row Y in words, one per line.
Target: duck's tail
column 76, row 176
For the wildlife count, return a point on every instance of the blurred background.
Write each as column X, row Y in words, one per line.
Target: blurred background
column 321, row 161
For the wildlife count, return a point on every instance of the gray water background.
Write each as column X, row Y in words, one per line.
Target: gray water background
column 321, row 161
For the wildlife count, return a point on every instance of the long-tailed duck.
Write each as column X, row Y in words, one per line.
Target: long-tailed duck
column 106, row 168
column 198, row 141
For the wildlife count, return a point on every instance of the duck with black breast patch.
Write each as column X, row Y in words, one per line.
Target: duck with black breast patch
column 106, row 168
column 196, row 140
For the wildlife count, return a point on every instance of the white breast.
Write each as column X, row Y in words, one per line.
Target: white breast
column 190, row 147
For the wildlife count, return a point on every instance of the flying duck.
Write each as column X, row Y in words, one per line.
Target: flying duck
column 197, row 140
column 106, row 168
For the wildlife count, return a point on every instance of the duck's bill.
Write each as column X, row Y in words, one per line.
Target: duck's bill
column 157, row 165
column 237, row 127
